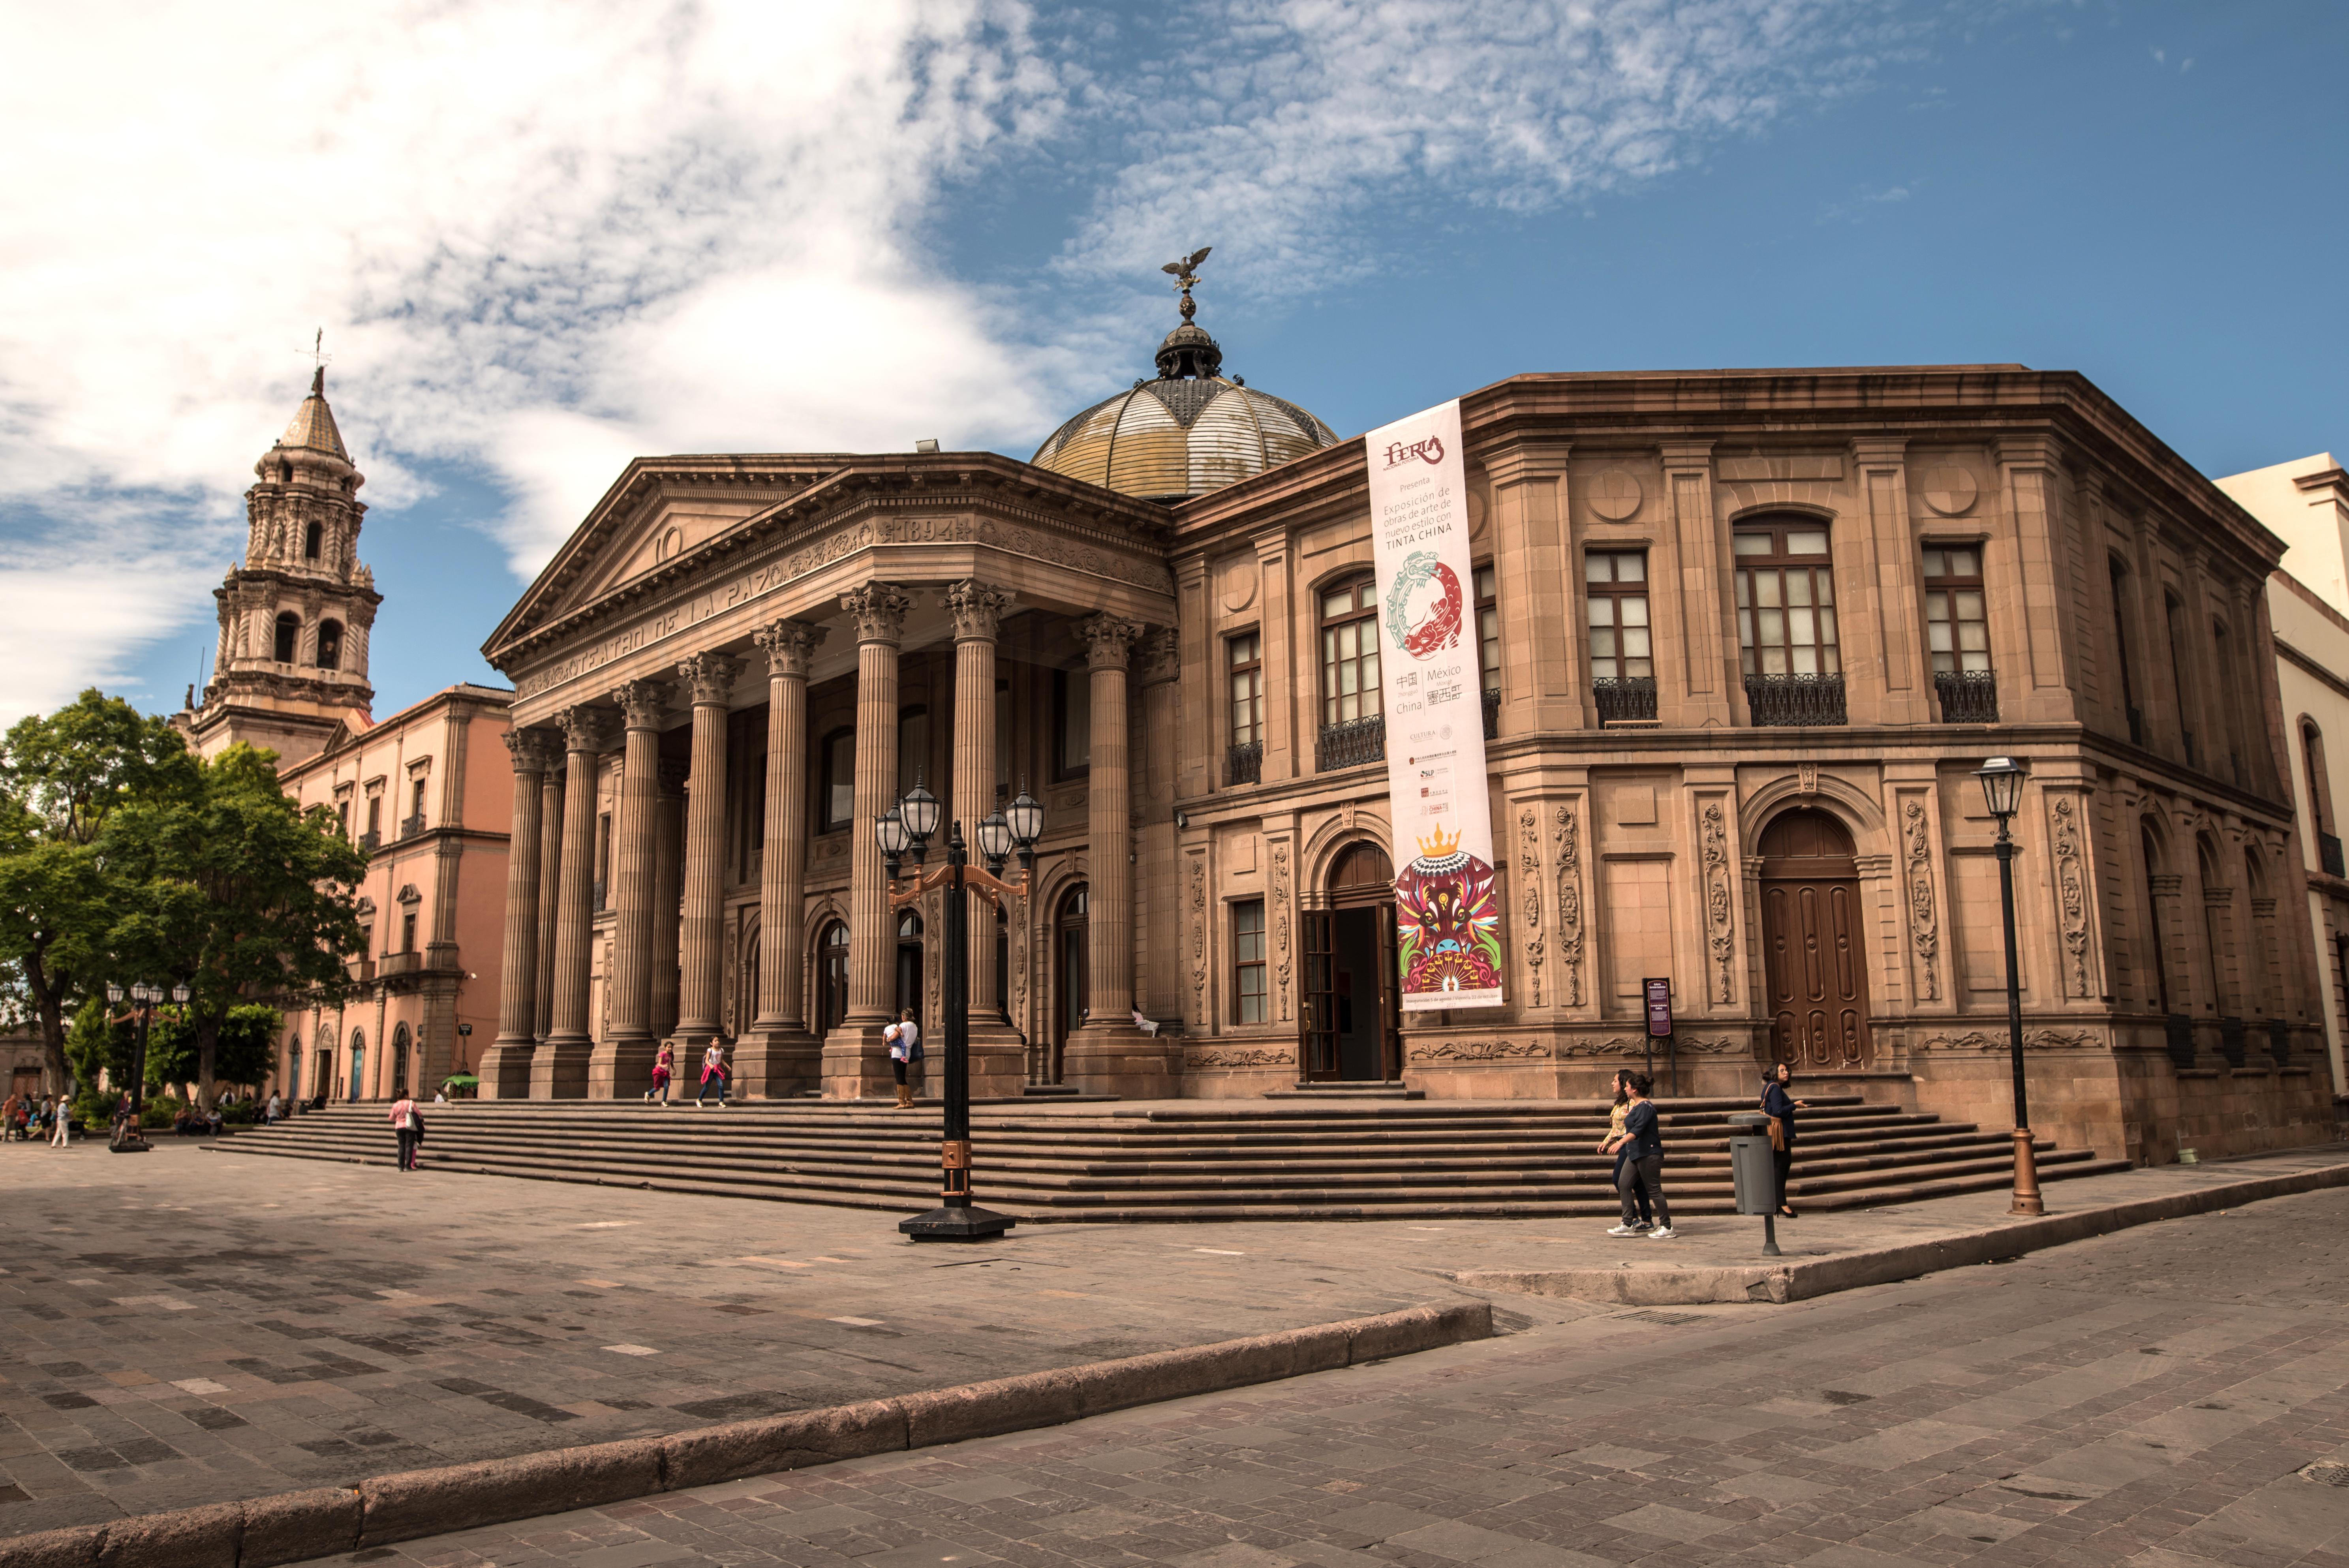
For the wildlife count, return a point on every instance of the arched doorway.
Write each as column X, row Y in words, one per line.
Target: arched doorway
column 1352, row 1023
column 830, row 977
column 355, row 1087
column 1812, row 943
column 398, row 1060
column 1071, row 978
column 909, row 964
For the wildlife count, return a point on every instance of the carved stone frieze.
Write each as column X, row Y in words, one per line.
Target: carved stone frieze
column 1481, row 1051
column 1639, row 1045
column 1235, row 1056
column 2071, row 891
column 1529, row 862
column 1567, row 848
column 1720, row 901
column 1199, row 940
column 1924, row 929
column 1996, row 1040
column 1280, row 964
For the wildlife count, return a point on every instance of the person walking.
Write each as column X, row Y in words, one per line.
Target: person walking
column 713, row 1070
column 1614, row 1140
column 904, row 1038
column 61, row 1125
column 663, row 1069
column 1778, row 1103
column 404, row 1124
column 8, row 1118
column 1644, row 1167
column 274, row 1110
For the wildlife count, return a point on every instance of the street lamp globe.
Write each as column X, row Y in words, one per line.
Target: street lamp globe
column 889, row 830
column 113, row 991
column 920, row 811
column 145, row 992
column 180, row 993
column 1027, row 819
column 2002, row 782
column 994, row 839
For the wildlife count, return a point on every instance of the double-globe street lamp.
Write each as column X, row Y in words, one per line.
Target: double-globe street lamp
column 148, row 997
column 905, row 830
column 2002, row 782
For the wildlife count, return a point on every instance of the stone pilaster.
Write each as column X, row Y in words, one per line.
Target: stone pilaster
column 701, row 948
column 778, row 1056
column 549, row 883
column 999, row 1060
column 623, row 1060
column 855, row 1058
column 668, row 894
column 505, row 1066
column 1109, row 1054
column 558, row 1069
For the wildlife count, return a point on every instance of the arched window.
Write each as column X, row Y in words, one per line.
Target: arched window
column 831, row 977
column 330, row 645
column 285, row 472
column 313, row 538
column 1786, row 635
column 1071, row 983
column 2149, row 856
column 836, row 801
column 2260, row 986
column 2318, row 783
column 1349, row 652
column 2180, row 655
column 2217, row 906
column 909, row 963
column 289, row 633
column 398, row 1060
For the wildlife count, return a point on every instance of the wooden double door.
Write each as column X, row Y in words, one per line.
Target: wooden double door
column 1352, row 1013
column 1814, row 949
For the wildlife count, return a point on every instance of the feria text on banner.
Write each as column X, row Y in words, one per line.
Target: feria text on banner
column 1447, row 910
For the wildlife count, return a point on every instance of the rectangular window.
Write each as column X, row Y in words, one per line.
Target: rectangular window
column 1245, row 654
column 1073, row 723
column 343, row 815
column 1488, row 628
column 1956, row 623
column 1616, row 585
column 838, row 796
column 408, row 932
column 1785, row 601
column 1349, row 653
column 375, row 814
column 1248, row 997
column 416, row 802
column 603, row 860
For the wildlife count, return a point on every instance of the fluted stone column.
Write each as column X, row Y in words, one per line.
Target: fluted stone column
column 1158, row 990
column 505, row 1066
column 558, row 1069
column 700, row 993
column 623, row 1060
column 669, row 884
column 855, row 1058
column 550, row 882
column 1109, row 1054
column 999, row 1058
column 778, row 1056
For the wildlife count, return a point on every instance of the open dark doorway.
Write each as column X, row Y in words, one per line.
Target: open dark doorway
column 1071, row 983
column 1352, row 1024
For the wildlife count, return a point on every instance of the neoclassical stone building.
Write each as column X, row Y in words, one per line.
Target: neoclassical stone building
column 1743, row 636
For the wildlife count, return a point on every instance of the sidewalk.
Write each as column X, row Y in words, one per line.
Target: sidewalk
column 176, row 1330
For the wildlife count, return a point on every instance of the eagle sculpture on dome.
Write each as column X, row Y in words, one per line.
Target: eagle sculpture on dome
column 1186, row 272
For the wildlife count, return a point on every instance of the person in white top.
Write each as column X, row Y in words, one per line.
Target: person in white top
column 713, row 1070
column 904, row 1038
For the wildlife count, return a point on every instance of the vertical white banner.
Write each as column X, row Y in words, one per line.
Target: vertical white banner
column 1447, row 911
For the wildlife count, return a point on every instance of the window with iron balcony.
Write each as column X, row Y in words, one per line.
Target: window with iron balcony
column 1787, row 623
column 1622, row 652
column 1957, row 630
column 1488, row 647
column 1353, row 723
column 1244, row 759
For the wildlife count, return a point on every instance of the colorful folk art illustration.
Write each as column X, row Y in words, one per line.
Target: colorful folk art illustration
column 1424, row 606
column 1449, row 919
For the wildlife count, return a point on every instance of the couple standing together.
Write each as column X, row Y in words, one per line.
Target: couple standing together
column 713, row 1073
column 1637, row 1143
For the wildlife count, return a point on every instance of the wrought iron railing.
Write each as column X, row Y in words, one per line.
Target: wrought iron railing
column 370, row 840
column 1491, row 705
column 1795, row 699
column 2328, row 855
column 2179, row 1036
column 1625, row 701
column 1243, row 763
column 2234, row 1042
column 2280, row 1042
column 409, row 826
column 1968, row 696
column 1352, row 745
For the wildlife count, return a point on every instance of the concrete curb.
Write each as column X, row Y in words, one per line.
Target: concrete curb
column 295, row 1527
column 1782, row 1283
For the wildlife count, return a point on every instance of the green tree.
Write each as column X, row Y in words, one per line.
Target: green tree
column 64, row 778
column 239, row 893
column 246, row 1048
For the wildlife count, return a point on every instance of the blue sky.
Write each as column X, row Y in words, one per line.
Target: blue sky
column 544, row 238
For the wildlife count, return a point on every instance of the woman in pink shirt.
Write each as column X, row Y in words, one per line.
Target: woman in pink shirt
column 409, row 1126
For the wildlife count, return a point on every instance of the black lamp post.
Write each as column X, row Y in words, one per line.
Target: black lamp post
column 2002, row 782
column 134, row 1139
column 907, row 830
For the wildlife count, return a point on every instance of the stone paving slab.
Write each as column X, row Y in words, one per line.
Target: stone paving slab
column 2151, row 1398
column 177, row 1330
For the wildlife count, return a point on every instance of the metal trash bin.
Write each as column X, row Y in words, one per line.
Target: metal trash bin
column 1756, row 1179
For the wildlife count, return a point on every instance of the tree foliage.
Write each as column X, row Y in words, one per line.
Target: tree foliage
column 63, row 779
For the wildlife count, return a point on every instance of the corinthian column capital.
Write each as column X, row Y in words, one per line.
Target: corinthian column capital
column 712, row 677
column 879, row 610
column 586, row 728
column 1161, row 656
column 789, row 645
column 535, row 751
column 1108, row 639
column 644, row 702
column 979, row 610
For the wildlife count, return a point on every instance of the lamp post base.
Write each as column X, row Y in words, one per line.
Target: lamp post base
column 2026, row 1176
column 956, row 1225
column 132, row 1145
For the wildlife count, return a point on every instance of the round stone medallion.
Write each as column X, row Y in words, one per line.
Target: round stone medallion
column 1236, row 581
column 1948, row 489
column 1615, row 494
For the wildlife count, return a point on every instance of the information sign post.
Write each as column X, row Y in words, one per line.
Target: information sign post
column 1660, row 1027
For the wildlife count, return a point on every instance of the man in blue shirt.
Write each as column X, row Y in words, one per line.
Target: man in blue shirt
column 1643, row 1165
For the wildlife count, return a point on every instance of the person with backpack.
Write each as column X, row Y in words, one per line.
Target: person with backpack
column 1643, row 1168
column 904, row 1038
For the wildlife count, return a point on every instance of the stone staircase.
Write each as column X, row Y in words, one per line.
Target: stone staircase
column 1177, row 1159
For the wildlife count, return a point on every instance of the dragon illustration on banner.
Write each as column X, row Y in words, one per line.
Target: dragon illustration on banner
column 1424, row 606
column 1450, row 917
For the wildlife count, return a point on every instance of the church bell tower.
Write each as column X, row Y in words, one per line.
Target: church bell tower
column 291, row 671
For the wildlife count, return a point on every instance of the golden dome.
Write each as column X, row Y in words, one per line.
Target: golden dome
column 1190, row 430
